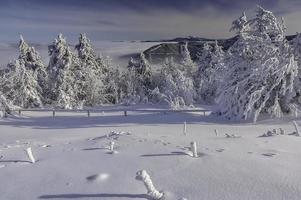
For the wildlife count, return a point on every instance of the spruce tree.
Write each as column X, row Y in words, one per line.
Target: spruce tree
column 34, row 63
column 20, row 87
column 62, row 78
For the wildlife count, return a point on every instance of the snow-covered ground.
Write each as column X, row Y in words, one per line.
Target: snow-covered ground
column 74, row 161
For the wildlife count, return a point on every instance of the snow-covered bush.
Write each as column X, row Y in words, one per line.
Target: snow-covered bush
column 177, row 89
column 156, row 96
column 260, row 71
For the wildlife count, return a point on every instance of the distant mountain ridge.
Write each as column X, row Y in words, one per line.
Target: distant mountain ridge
column 172, row 47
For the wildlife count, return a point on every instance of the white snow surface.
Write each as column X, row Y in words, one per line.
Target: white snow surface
column 73, row 160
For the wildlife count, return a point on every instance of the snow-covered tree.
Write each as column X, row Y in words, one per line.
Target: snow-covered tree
column 5, row 105
column 296, row 46
column 136, row 82
column 132, row 89
column 112, row 82
column 19, row 85
column 146, row 73
column 62, row 66
column 97, row 78
column 176, row 88
column 88, row 77
column 240, row 25
column 33, row 62
column 207, row 79
column 266, row 23
column 87, row 54
column 187, row 63
column 23, row 80
column 260, row 72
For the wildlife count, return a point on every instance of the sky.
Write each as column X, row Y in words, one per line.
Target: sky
column 40, row 21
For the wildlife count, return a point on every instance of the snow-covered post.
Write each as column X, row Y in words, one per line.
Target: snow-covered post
column 216, row 133
column 112, row 143
column 143, row 176
column 185, row 128
column 281, row 131
column 30, row 155
column 193, row 149
column 296, row 128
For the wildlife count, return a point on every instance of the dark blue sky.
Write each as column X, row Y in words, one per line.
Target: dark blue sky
column 41, row 21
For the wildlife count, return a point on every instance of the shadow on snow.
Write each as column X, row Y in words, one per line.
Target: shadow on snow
column 76, row 196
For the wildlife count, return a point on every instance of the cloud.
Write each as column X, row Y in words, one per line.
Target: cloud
column 131, row 19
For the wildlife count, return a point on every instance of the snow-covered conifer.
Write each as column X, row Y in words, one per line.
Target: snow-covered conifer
column 62, row 66
column 5, row 106
column 132, row 87
column 87, row 54
column 266, row 23
column 19, row 85
column 211, row 66
column 188, row 65
column 33, row 62
column 260, row 72
column 136, row 82
column 240, row 25
column 97, row 82
column 112, row 82
column 296, row 46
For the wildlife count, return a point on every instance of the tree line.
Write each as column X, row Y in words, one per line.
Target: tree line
column 259, row 74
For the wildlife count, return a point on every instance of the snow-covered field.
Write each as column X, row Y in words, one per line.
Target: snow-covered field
column 74, row 161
